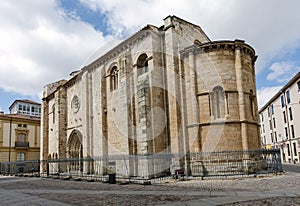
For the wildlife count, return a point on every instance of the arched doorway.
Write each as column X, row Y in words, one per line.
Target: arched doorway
column 75, row 151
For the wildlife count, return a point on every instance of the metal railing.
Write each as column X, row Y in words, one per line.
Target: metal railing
column 21, row 144
column 157, row 166
column 20, row 167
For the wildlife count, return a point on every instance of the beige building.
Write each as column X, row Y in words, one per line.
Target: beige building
column 164, row 90
column 280, row 122
column 20, row 133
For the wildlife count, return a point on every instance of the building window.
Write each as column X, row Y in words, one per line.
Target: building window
column 298, row 83
column 291, row 114
column 21, row 157
column 268, row 111
column 142, row 64
column 21, row 137
column 272, row 109
column 282, row 101
column 292, row 131
column 35, row 111
column 272, row 137
column 262, row 117
column 251, row 98
column 286, row 133
column 288, row 149
column 284, row 117
column 275, row 135
column 218, row 103
column 274, row 123
column 114, row 78
column 288, row 98
column 295, row 148
column 21, row 140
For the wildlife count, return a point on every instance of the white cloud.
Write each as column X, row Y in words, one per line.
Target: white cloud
column 282, row 71
column 270, row 26
column 39, row 44
column 265, row 94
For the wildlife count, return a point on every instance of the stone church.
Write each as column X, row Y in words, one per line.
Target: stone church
column 151, row 103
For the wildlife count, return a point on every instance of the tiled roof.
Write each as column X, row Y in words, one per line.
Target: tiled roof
column 19, row 116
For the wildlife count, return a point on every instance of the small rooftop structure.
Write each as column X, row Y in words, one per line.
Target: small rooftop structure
column 25, row 107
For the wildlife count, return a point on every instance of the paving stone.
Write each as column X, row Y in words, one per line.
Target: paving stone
column 271, row 190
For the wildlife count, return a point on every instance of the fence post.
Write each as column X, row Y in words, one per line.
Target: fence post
column 47, row 165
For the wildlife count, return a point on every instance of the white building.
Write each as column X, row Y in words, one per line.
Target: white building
column 280, row 121
column 26, row 107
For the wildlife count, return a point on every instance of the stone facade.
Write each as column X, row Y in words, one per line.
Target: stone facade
column 165, row 90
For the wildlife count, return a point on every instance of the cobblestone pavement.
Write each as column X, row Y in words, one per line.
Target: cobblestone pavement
column 269, row 190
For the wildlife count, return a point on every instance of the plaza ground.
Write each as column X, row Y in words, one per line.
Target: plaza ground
column 276, row 190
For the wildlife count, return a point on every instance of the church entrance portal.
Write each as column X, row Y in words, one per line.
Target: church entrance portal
column 75, row 151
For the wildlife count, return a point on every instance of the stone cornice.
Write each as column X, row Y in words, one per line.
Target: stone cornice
column 220, row 45
column 16, row 119
column 122, row 47
column 225, row 91
column 217, row 122
column 73, row 80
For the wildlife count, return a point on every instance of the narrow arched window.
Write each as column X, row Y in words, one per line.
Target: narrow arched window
column 142, row 64
column 114, row 78
column 218, row 103
column 251, row 98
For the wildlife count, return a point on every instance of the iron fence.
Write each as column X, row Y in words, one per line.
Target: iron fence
column 20, row 167
column 153, row 167
column 236, row 163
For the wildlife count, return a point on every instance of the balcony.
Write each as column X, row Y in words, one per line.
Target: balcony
column 23, row 145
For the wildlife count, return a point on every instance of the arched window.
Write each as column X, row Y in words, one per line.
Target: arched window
column 197, row 42
column 218, row 103
column 114, row 78
column 251, row 98
column 142, row 64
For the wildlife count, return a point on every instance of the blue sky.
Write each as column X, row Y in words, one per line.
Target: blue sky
column 43, row 41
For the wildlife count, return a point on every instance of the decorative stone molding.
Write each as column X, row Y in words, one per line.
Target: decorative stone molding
column 75, row 104
column 220, row 45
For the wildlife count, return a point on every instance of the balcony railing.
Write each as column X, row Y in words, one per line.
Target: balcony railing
column 21, row 144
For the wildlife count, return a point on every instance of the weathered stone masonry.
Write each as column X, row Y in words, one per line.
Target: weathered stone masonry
column 164, row 90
